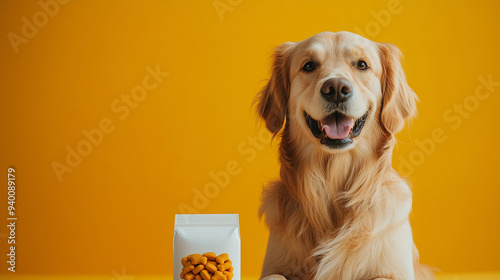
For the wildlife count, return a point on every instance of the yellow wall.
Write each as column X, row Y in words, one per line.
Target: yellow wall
column 116, row 207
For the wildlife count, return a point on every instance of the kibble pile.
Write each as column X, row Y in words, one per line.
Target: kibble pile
column 208, row 266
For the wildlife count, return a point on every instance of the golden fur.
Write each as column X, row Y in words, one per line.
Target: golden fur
column 339, row 214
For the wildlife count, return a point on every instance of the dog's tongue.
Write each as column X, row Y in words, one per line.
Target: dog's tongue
column 337, row 126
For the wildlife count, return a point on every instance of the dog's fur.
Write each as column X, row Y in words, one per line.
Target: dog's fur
column 339, row 214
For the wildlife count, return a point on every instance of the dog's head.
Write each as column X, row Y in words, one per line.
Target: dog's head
column 337, row 89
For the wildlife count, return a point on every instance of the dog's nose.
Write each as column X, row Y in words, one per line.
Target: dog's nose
column 336, row 90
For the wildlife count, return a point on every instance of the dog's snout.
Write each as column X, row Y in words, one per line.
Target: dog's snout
column 336, row 90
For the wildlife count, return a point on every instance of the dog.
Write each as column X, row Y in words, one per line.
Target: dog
column 339, row 211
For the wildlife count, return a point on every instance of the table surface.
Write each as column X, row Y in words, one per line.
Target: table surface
column 121, row 276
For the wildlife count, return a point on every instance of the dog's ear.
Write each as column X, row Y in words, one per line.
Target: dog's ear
column 273, row 98
column 398, row 99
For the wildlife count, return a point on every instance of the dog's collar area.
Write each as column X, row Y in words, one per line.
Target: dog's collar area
column 317, row 129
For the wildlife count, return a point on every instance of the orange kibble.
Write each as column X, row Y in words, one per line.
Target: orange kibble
column 224, row 266
column 219, row 276
column 210, row 256
column 228, row 274
column 212, row 268
column 208, row 266
column 198, row 268
column 205, row 275
column 188, row 268
column 222, row 258
column 197, row 259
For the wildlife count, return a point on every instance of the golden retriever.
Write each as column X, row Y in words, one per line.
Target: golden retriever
column 340, row 211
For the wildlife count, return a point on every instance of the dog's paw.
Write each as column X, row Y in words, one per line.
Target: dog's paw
column 274, row 277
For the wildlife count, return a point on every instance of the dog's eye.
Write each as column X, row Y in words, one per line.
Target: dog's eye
column 362, row 65
column 309, row 66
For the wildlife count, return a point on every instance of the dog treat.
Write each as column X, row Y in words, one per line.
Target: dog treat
column 197, row 269
column 228, row 274
column 197, row 259
column 187, row 268
column 208, row 266
column 205, row 274
column 225, row 266
column 219, row 276
column 222, row 258
column 210, row 256
column 212, row 268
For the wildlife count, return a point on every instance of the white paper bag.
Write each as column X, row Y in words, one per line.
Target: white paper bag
column 198, row 234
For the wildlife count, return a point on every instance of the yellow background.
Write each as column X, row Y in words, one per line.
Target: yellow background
column 115, row 210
